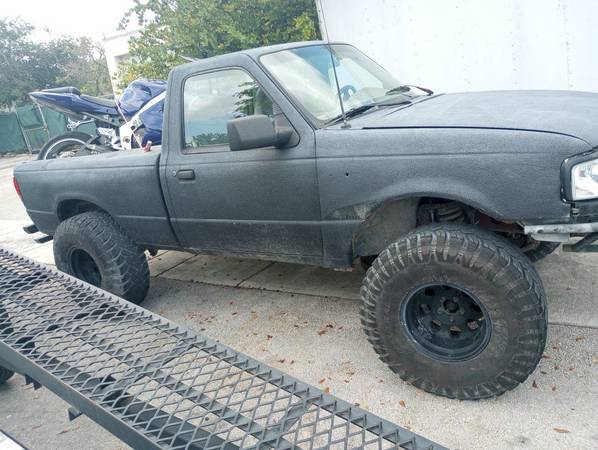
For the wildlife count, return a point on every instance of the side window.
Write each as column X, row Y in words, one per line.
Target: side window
column 210, row 100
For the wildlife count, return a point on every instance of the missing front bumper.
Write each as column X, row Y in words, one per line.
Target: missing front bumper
column 562, row 228
column 564, row 232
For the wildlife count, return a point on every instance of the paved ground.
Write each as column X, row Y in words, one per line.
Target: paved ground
column 277, row 312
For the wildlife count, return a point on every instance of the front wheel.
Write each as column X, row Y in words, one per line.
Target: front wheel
column 64, row 146
column 456, row 311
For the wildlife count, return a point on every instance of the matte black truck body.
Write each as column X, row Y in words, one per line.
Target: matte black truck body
column 423, row 189
column 498, row 152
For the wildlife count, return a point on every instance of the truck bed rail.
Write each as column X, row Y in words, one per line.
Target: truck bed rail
column 155, row 385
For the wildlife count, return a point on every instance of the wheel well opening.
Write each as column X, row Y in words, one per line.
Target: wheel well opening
column 443, row 210
column 393, row 219
column 70, row 208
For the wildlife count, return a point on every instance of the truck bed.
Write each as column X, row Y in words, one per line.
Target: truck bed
column 126, row 184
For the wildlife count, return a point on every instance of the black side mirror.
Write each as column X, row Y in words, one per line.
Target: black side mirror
column 256, row 131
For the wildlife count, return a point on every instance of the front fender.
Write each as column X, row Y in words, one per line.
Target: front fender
column 510, row 175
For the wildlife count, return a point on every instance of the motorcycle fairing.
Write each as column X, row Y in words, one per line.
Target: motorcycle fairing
column 138, row 93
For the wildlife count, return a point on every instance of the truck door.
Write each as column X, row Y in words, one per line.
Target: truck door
column 261, row 202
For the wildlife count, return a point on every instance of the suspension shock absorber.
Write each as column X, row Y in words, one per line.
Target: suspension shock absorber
column 441, row 212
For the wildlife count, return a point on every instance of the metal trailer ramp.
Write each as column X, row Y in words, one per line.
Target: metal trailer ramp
column 155, row 385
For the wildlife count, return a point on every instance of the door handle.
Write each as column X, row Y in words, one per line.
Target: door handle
column 186, row 174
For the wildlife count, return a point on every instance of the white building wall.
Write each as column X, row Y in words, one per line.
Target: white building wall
column 464, row 45
column 116, row 49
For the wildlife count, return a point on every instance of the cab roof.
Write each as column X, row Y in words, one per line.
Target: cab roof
column 253, row 53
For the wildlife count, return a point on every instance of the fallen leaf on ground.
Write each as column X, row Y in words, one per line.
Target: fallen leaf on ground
column 327, row 390
column 281, row 361
column 322, row 331
column 580, row 338
column 322, row 381
column 402, row 403
column 553, row 388
column 269, row 336
column 546, row 357
column 561, row 430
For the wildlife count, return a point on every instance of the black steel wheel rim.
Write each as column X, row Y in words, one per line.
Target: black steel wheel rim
column 85, row 268
column 446, row 322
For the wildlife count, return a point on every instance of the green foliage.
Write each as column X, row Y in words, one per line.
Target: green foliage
column 26, row 66
column 84, row 65
column 173, row 29
column 204, row 139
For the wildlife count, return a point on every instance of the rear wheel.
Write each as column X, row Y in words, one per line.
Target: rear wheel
column 92, row 247
column 456, row 311
column 64, row 146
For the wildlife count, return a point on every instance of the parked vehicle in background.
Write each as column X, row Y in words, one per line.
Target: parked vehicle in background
column 129, row 122
column 312, row 153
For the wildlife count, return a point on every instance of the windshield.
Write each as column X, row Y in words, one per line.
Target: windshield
column 306, row 73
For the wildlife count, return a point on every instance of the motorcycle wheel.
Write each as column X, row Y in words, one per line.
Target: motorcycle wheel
column 64, row 146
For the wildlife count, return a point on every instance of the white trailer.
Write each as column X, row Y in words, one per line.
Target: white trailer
column 465, row 45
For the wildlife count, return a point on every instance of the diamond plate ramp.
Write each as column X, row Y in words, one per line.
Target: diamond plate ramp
column 156, row 385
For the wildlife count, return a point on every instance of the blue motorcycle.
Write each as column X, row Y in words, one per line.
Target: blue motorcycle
column 132, row 121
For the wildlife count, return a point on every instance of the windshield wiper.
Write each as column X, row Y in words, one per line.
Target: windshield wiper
column 352, row 113
column 363, row 108
column 406, row 88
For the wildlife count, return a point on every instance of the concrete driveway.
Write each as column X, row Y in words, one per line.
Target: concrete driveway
column 304, row 321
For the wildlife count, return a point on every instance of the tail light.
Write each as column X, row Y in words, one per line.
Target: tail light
column 17, row 188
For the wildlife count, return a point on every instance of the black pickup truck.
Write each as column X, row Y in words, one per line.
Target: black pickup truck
column 313, row 153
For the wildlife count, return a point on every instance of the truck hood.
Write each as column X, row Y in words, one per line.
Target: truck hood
column 563, row 112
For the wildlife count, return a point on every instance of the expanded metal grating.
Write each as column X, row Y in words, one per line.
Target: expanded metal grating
column 155, row 385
